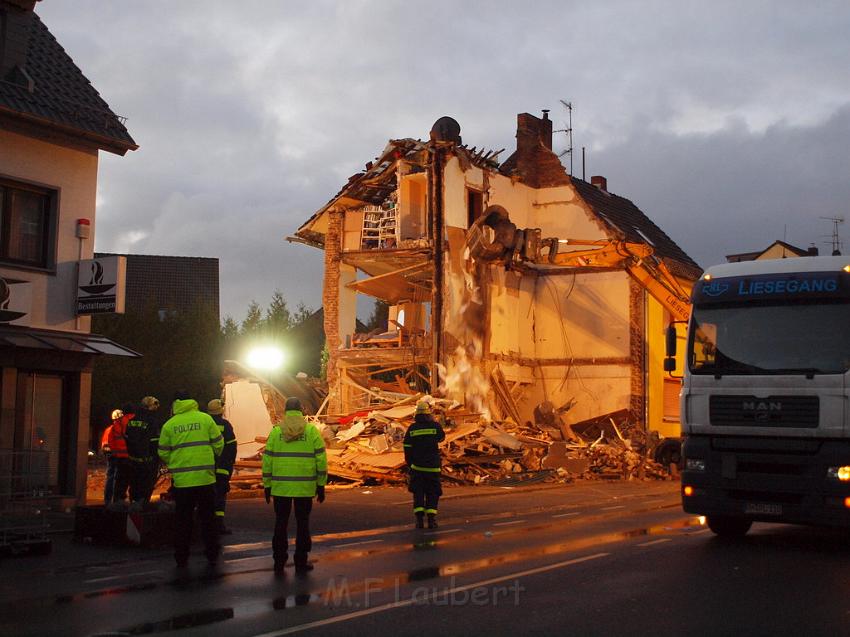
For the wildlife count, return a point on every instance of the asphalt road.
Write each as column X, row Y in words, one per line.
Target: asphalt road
column 596, row 559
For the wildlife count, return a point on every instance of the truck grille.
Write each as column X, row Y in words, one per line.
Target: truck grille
column 773, row 411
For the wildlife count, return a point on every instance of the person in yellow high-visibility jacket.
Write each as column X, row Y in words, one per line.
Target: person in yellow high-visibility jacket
column 189, row 443
column 295, row 470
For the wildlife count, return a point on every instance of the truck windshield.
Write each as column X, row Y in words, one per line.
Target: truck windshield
column 799, row 338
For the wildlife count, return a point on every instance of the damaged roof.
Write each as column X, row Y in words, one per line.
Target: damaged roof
column 378, row 179
column 628, row 222
column 45, row 87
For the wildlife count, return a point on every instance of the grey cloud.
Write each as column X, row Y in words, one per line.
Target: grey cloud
column 251, row 115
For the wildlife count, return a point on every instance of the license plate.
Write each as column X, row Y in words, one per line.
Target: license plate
column 759, row 508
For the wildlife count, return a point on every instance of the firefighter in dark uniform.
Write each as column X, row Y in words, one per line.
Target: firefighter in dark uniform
column 422, row 454
column 224, row 463
column 142, row 435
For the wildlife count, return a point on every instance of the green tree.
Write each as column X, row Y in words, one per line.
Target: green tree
column 278, row 317
column 302, row 314
column 380, row 316
column 229, row 328
column 253, row 321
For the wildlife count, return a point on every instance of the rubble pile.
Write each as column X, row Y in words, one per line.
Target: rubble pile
column 366, row 447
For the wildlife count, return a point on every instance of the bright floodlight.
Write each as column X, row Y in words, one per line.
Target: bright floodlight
column 265, row 358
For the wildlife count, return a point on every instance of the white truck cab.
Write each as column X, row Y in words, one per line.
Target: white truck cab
column 764, row 398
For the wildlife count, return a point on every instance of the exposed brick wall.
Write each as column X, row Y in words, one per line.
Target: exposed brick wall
column 636, row 351
column 330, row 303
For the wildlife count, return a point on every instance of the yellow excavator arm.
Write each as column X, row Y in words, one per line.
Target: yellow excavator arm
column 494, row 238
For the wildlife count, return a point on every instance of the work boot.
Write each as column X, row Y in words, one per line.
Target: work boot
column 432, row 520
column 420, row 520
column 222, row 530
column 303, row 568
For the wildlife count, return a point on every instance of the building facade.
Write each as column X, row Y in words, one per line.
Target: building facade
column 53, row 124
column 512, row 285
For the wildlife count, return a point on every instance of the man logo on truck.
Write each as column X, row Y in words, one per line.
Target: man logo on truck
column 750, row 405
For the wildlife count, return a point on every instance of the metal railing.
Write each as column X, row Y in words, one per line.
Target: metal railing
column 25, row 478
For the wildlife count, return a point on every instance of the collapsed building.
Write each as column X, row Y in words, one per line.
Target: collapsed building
column 515, row 290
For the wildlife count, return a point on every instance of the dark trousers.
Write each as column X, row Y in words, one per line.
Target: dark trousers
column 186, row 500
column 303, row 542
column 426, row 489
column 222, row 486
column 109, row 486
column 123, row 476
column 142, row 479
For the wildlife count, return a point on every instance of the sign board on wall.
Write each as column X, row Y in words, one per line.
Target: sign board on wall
column 100, row 285
column 15, row 302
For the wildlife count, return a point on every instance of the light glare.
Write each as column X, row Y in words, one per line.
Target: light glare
column 265, row 358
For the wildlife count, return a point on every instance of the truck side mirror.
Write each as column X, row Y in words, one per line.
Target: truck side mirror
column 670, row 364
column 671, row 343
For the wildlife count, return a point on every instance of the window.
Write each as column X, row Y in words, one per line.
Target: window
column 474, row 205
column 27, row 224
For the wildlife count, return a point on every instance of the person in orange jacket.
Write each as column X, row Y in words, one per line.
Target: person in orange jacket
column 120, row 456
column 109, row 485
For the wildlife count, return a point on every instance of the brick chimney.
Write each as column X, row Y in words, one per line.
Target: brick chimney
column 534, row 162
column 812, row 251
column 532, row 131
column 600, row 182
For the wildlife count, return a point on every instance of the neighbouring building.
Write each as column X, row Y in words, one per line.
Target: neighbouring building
column 170, row 284
column 53, row 124
column 511, row 285
column 776, row 250
column 164, row 296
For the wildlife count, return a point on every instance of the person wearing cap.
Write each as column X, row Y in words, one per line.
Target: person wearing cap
column 189, row 444
column 295, row 470
column 422, row 455
column 109, row 485
column 224, row 463
column 121, row 458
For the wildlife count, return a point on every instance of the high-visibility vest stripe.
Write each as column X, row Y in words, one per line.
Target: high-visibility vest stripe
column 223, row 472
column 424, row 432
column 231, row 442
column 194, row 443
column 290, row 454
column 216, row 439
column 210, row 467
column 428, row 469
column 294, row 478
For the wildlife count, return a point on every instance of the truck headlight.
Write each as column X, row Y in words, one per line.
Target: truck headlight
column 838, row 473
column 697, row 464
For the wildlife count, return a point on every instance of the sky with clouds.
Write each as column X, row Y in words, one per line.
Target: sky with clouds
column 727, row 123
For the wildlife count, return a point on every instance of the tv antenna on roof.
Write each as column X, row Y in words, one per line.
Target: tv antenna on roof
column 569, row 131
column 835, row 239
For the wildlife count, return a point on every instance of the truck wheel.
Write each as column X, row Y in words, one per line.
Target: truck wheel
column 729, row 527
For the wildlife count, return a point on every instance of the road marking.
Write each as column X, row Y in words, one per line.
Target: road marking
column 564, row 515
column 653, row 542
column 431, row 597
column 443, row 531
column 106, row 579
column 245, row 559
column 357, row 543
column 509, row 523
column 617, row 506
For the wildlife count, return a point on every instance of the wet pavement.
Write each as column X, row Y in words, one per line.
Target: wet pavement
column 578, row 559
column 365, row 553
